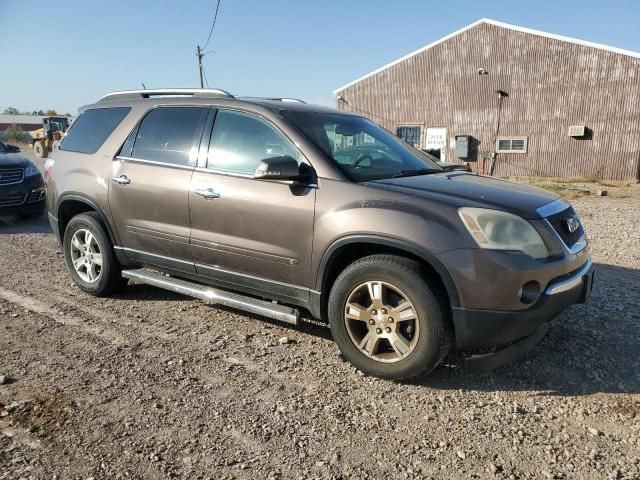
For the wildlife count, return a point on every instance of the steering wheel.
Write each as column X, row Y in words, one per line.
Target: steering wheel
column 361, row 159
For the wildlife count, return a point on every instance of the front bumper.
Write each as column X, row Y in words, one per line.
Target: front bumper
column 32, row 208
column 24, row 198
column 492, row 328
column 518, row 332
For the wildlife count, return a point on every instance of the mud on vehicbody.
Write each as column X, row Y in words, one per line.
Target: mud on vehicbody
column 262, row 204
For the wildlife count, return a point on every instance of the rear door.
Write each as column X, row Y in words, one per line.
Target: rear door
column 149, row 191
column 251, row 234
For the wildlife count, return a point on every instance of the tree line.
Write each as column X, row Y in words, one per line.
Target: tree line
column 48, row 113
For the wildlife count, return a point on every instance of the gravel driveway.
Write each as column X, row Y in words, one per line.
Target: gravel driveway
column 150, row 384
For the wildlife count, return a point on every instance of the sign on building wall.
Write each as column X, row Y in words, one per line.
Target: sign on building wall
column 436, row 139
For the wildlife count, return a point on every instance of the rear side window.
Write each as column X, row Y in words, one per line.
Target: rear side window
column 168, row 135
column 92, row 128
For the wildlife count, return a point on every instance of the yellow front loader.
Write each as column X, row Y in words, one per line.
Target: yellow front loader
column 47, row 138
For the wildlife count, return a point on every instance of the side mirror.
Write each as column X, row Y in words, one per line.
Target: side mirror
column 278, row 168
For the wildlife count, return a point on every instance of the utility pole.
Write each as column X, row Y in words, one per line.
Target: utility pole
column 199, row 54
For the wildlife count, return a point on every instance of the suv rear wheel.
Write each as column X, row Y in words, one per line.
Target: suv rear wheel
column 386, row 319
column 89, row 256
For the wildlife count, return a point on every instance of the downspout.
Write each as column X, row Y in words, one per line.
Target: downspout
column 501, row 95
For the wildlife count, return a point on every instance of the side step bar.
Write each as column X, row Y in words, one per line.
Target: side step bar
column 216, row 296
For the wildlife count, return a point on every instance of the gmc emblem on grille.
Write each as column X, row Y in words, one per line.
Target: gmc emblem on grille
column 572, row 224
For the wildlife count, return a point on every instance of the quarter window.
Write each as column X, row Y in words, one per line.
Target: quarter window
column 92, row 128
column 240, row 141
column 168, row 135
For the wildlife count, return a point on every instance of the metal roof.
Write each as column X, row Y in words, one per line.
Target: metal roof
column 22, row 119
column 497, row 24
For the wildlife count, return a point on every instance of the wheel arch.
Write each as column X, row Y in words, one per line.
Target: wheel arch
column 71, row 205
column 348, row 249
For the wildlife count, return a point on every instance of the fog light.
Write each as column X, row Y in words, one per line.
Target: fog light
column 530, row 292
column 37, row 194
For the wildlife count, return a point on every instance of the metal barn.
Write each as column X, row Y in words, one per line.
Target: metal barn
column 511, row 101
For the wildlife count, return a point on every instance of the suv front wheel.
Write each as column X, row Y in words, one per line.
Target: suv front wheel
column 386, row 319
column 89, row 256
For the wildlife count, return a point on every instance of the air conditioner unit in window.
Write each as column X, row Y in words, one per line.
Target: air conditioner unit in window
column 577, row 130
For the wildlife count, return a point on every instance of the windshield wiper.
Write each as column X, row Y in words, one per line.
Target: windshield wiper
column 415, row 172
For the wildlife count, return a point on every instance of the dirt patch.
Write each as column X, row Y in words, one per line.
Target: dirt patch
column 41, row 414
column 150, row 384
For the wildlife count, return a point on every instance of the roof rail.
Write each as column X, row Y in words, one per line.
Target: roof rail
column 166, row 92
column 285, row 99
column 275, row 99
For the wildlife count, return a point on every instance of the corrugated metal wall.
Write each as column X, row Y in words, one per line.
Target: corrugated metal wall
column 551, row 84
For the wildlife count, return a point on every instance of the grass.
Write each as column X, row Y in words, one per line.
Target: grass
column 588, row 180
column 578, row 187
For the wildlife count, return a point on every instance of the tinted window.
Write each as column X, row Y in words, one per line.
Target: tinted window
column 168, row 135
column 92, row 128
column 126, row 149
column 240, row 141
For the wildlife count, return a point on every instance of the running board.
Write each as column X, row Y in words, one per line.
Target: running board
column 216, row 296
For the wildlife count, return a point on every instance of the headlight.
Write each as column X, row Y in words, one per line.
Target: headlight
column 31, row 170
column 496, row 230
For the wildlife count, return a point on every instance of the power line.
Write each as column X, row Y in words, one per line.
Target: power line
column 213, row 24
column 206, row 80
column 200, row 52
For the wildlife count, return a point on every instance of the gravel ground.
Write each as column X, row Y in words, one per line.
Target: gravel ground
column 150, row 384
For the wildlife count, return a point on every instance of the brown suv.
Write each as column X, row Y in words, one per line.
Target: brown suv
column 277, row 207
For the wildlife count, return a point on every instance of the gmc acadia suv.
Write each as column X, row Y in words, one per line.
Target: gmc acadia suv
column 281, row 208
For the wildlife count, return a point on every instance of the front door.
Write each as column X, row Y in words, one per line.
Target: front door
column 149, row 191
column 247, row 233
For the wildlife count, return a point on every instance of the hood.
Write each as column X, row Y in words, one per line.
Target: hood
column 466, row 189
column 13, row 160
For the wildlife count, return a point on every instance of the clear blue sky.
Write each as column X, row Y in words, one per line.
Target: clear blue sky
column 67, row 53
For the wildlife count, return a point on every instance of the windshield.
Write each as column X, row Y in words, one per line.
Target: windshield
column 58, row 124
column 360, row 148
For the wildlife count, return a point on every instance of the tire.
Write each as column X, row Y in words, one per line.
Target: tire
column 39, row 150
column 107, row 279
column 425, row 331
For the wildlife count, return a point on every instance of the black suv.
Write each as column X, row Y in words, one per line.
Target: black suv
column 22, row 190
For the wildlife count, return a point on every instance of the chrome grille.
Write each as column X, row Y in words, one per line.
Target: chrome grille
column 12, row 200
column 10, row 176
column 559, row 223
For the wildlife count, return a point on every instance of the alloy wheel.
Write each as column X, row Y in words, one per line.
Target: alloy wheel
column 86, row 256
column 381, row 321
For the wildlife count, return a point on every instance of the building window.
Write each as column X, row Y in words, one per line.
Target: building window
column 411, row 135
column 511, row 145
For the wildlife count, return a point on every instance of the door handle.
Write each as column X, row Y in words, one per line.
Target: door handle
column 121, row 180
column 207, row 193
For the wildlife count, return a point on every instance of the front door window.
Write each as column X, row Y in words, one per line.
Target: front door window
column 240, row 141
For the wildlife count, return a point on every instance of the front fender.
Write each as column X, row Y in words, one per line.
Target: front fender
column 398, row 244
